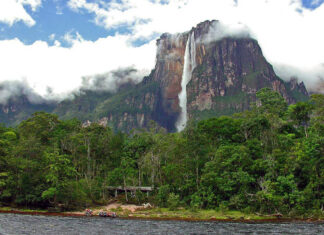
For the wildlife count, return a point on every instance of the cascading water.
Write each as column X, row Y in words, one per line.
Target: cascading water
column 188, row 67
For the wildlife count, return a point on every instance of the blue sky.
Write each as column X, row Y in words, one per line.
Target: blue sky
column 55, row 17
column 54, row 43
column 311, row 4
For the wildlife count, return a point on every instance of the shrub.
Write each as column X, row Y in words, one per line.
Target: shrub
column 196, row 202
column 173, row 201
column 162, row 196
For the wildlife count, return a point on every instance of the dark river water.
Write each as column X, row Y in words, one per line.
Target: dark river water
column 28, row 224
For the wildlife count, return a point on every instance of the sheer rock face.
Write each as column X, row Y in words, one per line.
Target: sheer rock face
column 139, row 110
column 228, row 73
column 169, row 68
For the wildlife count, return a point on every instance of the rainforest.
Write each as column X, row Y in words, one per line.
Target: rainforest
column 267, row 159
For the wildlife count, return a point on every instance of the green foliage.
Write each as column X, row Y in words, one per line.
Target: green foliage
column 59, row 170
column 82, row 105
column 271, row 101
column 300, row 112
column 173, row 201
column 222, row 130
column 251, row 80
column 163, row 195
column 223, row 207
column 268, row 159
column 116, row 105
column 196, row 202
column 140, row 197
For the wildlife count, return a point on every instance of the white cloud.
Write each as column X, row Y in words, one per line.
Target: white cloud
column 34, row 4
column 61, row 69
column 289, row 34
column 291, row 38
column 219, row 30
column 12, row 11
column 10, row 89
column 71, row 38
column 112, row 80
column 57, row 43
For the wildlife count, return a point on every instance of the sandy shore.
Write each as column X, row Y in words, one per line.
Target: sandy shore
column 131, row 211
column 112, row 207
column 129, row 207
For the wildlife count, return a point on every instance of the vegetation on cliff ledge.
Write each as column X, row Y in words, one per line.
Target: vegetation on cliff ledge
column 269, row 159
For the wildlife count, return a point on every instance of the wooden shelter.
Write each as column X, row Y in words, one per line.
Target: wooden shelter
column 131, row 189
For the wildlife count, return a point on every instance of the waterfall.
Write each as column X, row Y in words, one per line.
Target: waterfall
column 188, row 66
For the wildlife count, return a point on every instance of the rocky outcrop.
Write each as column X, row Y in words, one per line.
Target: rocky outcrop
column 131, row 108
column 294, row 85
column 19, row 108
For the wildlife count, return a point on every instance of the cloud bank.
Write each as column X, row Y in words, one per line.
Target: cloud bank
column 12, row 11
column 290, row 36
column 113, row 80
column 61, row 69
column 219, row 30
column 11, row 89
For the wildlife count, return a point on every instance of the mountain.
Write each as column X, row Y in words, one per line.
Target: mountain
column 19, row 108
column 228, row 73
column 195, row 77
column 222, row 76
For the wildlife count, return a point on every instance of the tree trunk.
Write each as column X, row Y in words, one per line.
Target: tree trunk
column 88, row 158
column 153, row 170
column 306, row 134
column 197, row 176
column 125, row 189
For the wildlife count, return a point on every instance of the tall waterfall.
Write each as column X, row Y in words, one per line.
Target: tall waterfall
column 188, row 67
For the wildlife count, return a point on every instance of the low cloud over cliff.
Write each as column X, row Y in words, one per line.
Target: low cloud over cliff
column 289, row 34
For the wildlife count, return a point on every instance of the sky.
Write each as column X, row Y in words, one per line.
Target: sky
column 50, row 46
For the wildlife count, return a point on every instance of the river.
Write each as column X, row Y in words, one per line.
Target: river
column 29, row 224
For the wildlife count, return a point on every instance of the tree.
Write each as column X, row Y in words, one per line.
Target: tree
column 40, row 126
column 300, row 114
column 317, row 120
column 222, row 130
column 59, row 171
column 271, row 102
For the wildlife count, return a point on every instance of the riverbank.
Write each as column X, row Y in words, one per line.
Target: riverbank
column 138, row 212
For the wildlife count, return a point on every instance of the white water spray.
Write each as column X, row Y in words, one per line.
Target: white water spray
column 188, row 66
